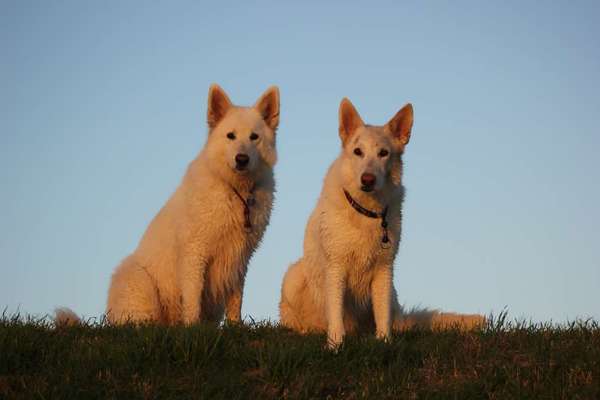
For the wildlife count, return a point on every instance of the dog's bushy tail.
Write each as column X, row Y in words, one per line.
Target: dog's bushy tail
column 65, row 317
column 438, row 320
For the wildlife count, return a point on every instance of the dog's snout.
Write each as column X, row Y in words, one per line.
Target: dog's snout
column 242, row 159
column 368, row 179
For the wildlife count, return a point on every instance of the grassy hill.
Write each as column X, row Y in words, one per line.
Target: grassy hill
column 263, row 361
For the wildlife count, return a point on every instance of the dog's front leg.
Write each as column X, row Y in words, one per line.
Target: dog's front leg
column 233, row 304
column 381, row 293
column 192, row 269
column 334, row 298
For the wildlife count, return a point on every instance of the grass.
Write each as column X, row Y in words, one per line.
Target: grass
column 262, row 361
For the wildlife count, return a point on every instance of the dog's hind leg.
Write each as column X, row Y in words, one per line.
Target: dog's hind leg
column 292, row 284
column 133, row 295
column 292, row 293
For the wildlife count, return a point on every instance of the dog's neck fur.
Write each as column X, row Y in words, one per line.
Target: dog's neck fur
column 374, row 201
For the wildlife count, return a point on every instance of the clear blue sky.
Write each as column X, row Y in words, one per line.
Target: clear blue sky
column 102, row 105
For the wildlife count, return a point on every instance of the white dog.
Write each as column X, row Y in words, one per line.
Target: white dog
column 343, row 282
column 191, row 262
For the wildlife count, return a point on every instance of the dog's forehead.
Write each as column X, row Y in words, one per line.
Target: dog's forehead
column 242, row 119
column 370, row 135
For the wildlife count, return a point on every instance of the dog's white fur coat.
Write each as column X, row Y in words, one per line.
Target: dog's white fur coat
column 343, row 282
column 191, row 263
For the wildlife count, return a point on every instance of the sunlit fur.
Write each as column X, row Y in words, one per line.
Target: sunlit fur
column 191, row 262
column 343, row 282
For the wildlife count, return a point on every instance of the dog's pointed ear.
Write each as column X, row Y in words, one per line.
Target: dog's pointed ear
column 268, row 107
column 350, row 120
column 400, row 125
column 218, row 104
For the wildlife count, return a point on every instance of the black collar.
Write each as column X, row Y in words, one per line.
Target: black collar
column 247, row 202
column 371, row 214
column 364, row 211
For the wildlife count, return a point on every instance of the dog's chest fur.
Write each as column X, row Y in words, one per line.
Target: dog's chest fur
column 366, row 252
column 355, row 240
column 234, row 243
column 205, row 217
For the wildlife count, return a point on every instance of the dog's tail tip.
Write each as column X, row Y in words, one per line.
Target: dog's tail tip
column 65, row 317
column 439, row 320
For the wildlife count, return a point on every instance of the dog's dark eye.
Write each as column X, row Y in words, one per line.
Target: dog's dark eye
column 358, row 152
column 253, row 136
column 231, row 136
column 383, row 153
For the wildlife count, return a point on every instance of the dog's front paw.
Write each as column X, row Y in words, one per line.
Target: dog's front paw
column 234, row 321
column 383, row 336
column 334, row 340
column 333, row 346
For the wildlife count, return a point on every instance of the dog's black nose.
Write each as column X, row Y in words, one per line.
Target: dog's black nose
column 368, row 180
column 242, row 159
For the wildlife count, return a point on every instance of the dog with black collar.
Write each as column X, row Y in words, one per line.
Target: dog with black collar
column 343, row 282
